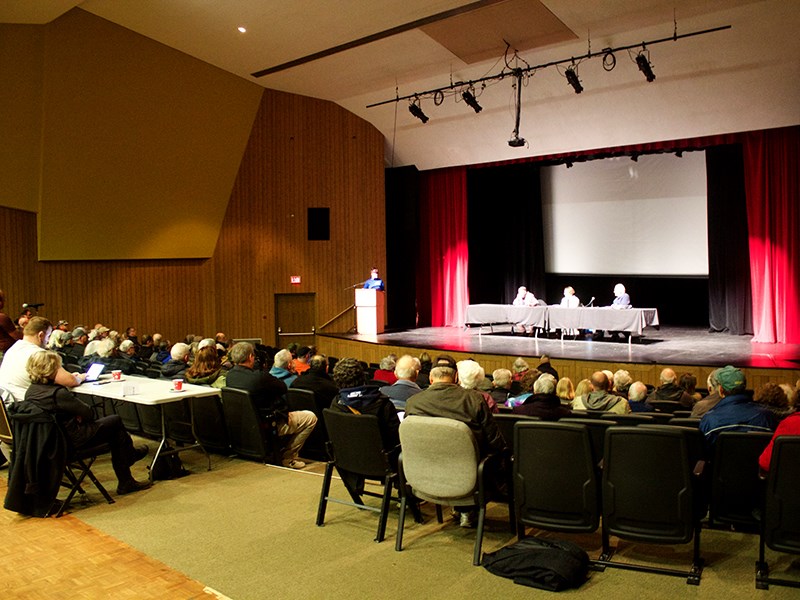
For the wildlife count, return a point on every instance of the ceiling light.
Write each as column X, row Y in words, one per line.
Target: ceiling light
column 469, row 98
column 644, row 65
column 242, row 29
column 415, row 110
column 572, row 78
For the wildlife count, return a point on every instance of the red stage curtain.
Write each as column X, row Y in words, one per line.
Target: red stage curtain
column 444, row 215
column 772, row 161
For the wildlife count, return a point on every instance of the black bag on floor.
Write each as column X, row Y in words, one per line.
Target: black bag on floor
column 551, row 565
column 169, row 466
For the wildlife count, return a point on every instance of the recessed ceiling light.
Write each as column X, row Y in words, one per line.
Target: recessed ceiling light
column 242, row 29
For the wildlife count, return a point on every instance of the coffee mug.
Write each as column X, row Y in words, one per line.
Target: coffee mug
column 116, row 375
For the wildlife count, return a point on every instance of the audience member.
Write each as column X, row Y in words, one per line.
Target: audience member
column 545, row 366
column 788, row 426
column 470, row 374
column 385, row 372
column 300, row 364
column 543, row 403
column 445, row 398
column 79, row 341
column 501, row 385
column 8, row 331
column 78, row 419
column 268, row 395
column 774, row 397
column 669, row 390
column 178, row 363
column 526, row 388
column 688, row 383
column 735, row 411
column 316, row 379
column 424, row 375
column 600, row 399
column 206, row 368
column 582, row 390
column 58, row 340
column 565, row 391
column 406, row 371
column 518, row 369
column 637, row 394
column 356, row 397
column 622, row 382
column 281, row 367
column 13, row 372
column 706, row 404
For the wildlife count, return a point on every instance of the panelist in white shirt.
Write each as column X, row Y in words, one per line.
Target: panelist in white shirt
column 570, row 300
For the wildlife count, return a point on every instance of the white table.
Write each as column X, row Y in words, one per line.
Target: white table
column 488, row 314
column 151, row 392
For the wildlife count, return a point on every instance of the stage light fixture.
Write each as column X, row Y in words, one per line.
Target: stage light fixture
column 469, row 98
column 415, row 110
column 572, row 78
column 644, row 65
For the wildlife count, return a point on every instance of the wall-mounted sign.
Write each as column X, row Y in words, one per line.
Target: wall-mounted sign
column 294, row 279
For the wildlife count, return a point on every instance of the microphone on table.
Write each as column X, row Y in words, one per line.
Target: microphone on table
column 590, row 301
column 33, row 305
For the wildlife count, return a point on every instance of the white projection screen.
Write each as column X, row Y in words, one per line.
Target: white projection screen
column 624, row 217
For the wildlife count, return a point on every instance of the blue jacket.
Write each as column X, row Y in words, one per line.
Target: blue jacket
column 736, row 413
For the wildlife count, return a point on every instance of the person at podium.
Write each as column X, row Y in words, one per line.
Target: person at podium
column 374, row 282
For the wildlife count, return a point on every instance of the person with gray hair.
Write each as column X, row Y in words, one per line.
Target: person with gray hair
column 406, row 370
column 622, row 383
column 268, row 395
column 543, row 402
column 178, row 362
column 706, row 404
column 637, row 394
column 470, row 376
column 385, row 371
column 501, row 385
column 281, row 367
column 669, row 390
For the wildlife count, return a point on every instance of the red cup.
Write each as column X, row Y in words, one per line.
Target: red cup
column 177, row 384
column 116, row 375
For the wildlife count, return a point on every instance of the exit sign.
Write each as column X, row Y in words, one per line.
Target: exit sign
column 294, row 279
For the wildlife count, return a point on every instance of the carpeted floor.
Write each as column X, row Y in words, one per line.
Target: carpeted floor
column 247, row 530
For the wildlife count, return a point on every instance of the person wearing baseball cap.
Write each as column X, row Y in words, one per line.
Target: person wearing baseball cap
column 736, row 410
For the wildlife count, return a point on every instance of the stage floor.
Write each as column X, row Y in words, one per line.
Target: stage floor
column 666, row 345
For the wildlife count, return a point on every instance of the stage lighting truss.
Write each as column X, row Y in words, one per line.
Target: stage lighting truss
column 568, row 67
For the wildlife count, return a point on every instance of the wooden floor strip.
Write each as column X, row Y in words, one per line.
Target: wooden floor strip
column 51, row 559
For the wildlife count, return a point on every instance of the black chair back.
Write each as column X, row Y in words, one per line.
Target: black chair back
column 555, row 477
column 505, row 423
column 652, row 492
column 208, row 423
column 597, row 433
column 666, row 406
column 250, row 433
column 781, row 519
column 684, row 422
column 629, row 419
column 736, row 489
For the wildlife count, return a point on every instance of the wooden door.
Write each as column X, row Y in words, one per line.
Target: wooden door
column 295, row 319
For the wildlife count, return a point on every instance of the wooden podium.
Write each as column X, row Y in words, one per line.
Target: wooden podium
column 369, row 311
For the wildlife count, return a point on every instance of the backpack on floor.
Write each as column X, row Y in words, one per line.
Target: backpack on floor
column 552, row 565
column 169, row 466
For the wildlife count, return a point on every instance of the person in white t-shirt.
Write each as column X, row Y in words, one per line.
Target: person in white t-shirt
column 13, row 374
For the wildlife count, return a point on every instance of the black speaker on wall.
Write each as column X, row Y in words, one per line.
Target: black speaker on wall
column 319, row 224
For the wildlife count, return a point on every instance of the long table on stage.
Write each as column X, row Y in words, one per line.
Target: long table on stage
column 152, row 392
column 489, row 314
column 630, row 320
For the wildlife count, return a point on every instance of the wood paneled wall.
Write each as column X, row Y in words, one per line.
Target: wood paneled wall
column 302, row 153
